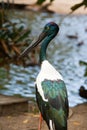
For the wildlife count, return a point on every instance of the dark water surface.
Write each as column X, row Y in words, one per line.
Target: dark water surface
column 63, row 53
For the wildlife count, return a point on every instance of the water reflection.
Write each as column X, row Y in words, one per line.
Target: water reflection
column 63, row 53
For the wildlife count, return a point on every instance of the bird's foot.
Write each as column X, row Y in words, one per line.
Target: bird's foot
column 40, row 122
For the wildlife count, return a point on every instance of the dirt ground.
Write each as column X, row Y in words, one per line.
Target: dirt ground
column 29, row 121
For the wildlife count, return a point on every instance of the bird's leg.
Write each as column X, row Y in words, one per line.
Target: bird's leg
column 40, row 122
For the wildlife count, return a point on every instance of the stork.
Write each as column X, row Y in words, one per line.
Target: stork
column 51, row 93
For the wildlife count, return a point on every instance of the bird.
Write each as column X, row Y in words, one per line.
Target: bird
column 51, row 92
column 83, row 92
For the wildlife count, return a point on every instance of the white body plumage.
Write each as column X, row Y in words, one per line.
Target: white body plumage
column 47, row 72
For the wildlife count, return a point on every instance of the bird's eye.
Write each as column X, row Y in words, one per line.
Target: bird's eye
column 47, row 28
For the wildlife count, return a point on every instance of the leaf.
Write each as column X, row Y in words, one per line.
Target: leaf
column 25, row 121
column 73, row 8
column 83, row 3
column 9, row 117
column 83, row 63
column 76, row 123
column 85, row 74
column 51, row 0
column 39, row 2
column 23, row 36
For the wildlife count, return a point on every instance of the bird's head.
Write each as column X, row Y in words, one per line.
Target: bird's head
column 50, row 30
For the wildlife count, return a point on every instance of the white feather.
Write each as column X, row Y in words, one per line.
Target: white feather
column 47, row 72
column 50, row 124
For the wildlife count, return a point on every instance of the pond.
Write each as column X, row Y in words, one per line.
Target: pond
column 64, row 53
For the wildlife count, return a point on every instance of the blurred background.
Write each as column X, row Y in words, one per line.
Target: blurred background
column 21, row 22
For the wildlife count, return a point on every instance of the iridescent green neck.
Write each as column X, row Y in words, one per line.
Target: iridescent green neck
column 43, row 48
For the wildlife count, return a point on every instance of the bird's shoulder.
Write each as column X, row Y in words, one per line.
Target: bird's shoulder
column 54, row 88
column 48, row 72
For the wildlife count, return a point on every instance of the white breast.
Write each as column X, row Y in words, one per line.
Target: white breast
column 47, row 72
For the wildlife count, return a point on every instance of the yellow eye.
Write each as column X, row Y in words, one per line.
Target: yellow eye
column 47, row 28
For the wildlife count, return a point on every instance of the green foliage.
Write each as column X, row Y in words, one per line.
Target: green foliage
column 12, row 31
column 41, row 1
column 11, row 34
column 13, row 37
column 85, row 74
column 85, row 64
column 83, row 3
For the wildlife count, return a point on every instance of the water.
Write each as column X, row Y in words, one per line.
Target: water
column 63, row 53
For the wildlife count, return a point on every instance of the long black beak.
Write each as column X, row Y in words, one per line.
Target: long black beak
column 30, row 47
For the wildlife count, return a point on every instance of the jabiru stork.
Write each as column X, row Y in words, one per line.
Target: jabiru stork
column 51, row 93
